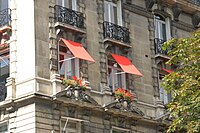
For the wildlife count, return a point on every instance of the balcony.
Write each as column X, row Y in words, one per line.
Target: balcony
column 5, row 18
column 158, row 48
column 190, row 6
column 70, row 17
column 116, row 33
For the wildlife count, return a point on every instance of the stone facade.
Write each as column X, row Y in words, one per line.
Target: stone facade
column 36, row 99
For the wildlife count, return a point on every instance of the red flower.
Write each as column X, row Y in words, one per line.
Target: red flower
column 74, row 77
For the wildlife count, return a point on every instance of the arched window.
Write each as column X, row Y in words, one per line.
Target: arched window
column 160, row 28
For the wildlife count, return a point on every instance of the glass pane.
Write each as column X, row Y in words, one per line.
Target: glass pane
column 3, row 128
column 4, row 4
column 69, row 69
column 110, row 78
column 115, row 14
column 163, row 31
column 71, row 125
column 68, row 4
column 106, row 12
column 161, row 94
column 59, row 2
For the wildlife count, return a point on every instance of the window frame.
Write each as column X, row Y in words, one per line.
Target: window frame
column 163, row 94
column 63, row 3
column 4, row 123
column 74, row 120
column 158, row 30
column 113, row 74
column 4, row 54
column 68, row 57
column 122, row 130
column 118, row 6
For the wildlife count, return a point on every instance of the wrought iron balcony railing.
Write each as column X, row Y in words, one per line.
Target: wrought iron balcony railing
column 5, row 17
column 115, row 32
column 158, row 46
column 196, row 2
column 68, row 16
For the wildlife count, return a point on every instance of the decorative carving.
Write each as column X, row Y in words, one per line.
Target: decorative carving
column 124, row 106
column 149, row 4
column 176, row 11
column 196, row 19
column 71, row 111
column 107, row 116
column 76, row 94
column 87, row 112
column 121, row 122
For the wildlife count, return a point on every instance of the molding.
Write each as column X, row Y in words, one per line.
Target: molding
column 183, row 26
column 138, row 10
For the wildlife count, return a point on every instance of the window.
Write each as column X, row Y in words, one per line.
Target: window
column 3, row 128
column 70, row 125
column 71, row 4
column 162, row 28
column 119, row 130
column 112, row 12
column 164, row 96
column 4, row 72
column 115, row 76
column 3, row 4
column 68, row 65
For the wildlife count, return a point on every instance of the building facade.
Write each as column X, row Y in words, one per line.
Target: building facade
column 108, row 44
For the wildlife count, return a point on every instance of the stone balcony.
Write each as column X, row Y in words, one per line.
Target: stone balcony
column 190, row 6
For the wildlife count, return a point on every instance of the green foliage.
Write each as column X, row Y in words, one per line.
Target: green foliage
column 184, row 83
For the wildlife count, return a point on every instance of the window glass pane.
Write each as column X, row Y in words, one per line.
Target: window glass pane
column 160, row 27
column 59, row 2
column 115, row 14
column 163, row 31
column 106, row 12
column 3, row 4
column 3, row 128
column 68, row 4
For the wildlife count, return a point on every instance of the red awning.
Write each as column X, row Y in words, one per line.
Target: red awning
column 126, row 65
column 77, row 50
column 166, row 70
column 4, row 29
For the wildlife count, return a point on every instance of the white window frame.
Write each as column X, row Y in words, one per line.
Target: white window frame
column 2, row 8
column 64, row 4
column 164, row 95
column 124, row 130
column 158, row 31
column 4, row 124
column 70, row 119
column 115, row 72
column 68, row 57
column 118, row 5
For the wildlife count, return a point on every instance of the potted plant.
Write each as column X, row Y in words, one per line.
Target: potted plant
column 123, row 95
column 74, row 85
